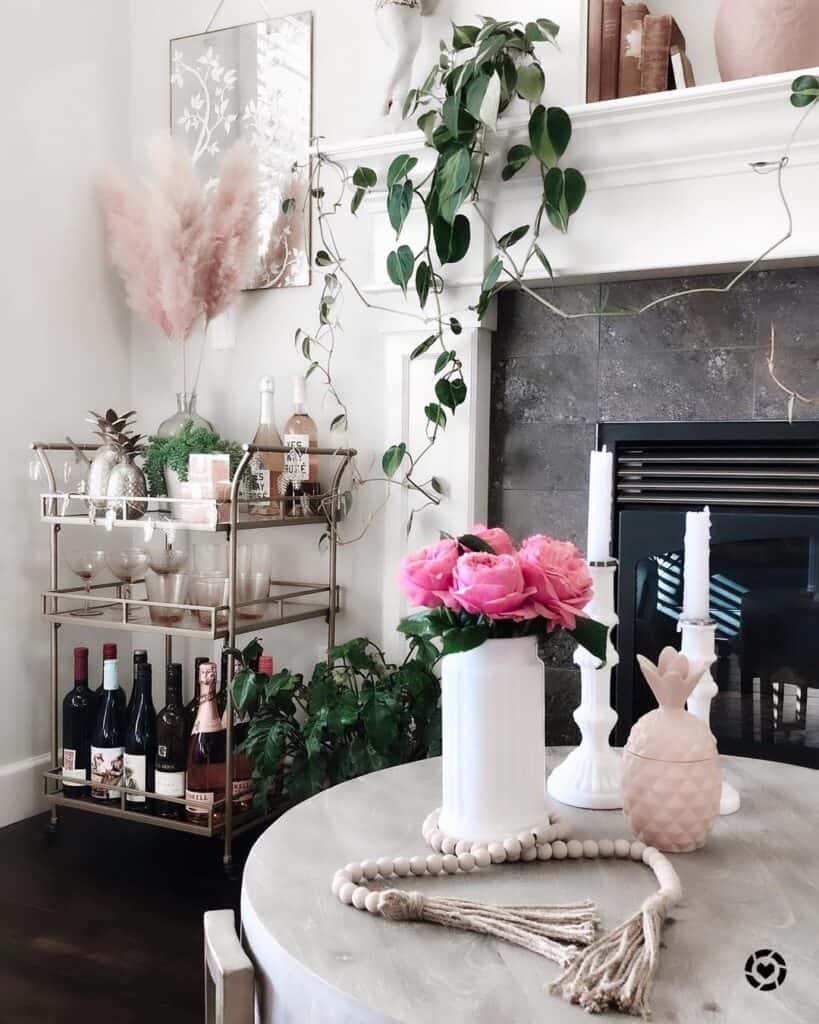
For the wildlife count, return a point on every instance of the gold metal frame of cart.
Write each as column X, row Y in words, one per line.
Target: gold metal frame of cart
column 54, row 511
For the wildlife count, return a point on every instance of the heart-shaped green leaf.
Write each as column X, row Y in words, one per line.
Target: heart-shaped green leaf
column 451, row 240
column 530, row 82
column 400, row 168
column 392, row 459
column 399, row 266
column 575, row 189
column 424, row 346
column 364, row 177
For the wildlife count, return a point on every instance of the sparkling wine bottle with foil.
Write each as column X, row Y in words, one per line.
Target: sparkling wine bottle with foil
column 205, row 782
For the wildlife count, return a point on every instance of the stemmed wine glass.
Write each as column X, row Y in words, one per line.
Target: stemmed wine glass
column 87, row 565
column 128, row 565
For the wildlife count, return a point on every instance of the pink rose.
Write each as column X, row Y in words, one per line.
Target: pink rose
column 426, row 575
column 492, row 585
column 497, row 539
column 560, row 577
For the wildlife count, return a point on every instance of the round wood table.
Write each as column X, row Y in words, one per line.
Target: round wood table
column 755, row 886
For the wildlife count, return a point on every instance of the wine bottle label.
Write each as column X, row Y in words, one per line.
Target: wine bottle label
column 136, row 777
column 297, row 462
column 242, row 787
column 72, row 776
column 198, row 801
column 169, row 783
column 106, row 767
column 161, row 750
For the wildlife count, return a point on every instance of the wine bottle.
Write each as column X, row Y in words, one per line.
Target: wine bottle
column 205, row 782
column 300, row 433
column 78, row 724
column 140, row 658
column 267, row 467
column 109, row 653
column 140, row 741
column 193, row 703
column 171, row 746
column 108, row 738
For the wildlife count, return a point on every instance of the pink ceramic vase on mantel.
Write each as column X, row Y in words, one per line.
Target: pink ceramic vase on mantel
column 764, row 37
column 671, row 773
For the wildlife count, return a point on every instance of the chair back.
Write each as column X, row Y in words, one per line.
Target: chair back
column 228, row 972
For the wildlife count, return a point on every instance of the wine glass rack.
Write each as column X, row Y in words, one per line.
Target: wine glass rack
column 287, row 602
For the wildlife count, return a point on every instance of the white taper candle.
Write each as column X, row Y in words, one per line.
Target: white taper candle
column 599, row 527
column 697, row 566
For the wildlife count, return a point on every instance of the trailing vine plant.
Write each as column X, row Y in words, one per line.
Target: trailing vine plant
column 480, row 72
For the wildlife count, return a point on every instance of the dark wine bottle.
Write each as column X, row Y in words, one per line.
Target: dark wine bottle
column 221, row 696
column 109, row 653
column 108, row 738
column 193, row 703
column 140, row 658
column 78, row 724
column 205, row 782
column 140, row 741
column 171, row 746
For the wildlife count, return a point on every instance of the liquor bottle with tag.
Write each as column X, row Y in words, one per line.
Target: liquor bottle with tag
column 78, row 725
column 301, row 433
column 140, row 742
column 266, row 467
column 193, row 703
column 171, row 746
column 108, row 739
column 205, row 782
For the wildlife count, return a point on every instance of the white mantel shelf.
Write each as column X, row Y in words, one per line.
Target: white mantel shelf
column 670, row 190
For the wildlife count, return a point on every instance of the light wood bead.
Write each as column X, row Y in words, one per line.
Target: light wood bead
column 466, row 861
column 526, row 840
column 463, row 846
column 574, row 848
column 482, row 857
column 355, row 872
column 590, row 849
column 622, row 848
column 546, row 834
column 371, row 902
column 338, row 881
column 448, row 845
column 418, row 865
column 360, row 894
column 497, row 853
column 345, row 893
column 386, row 866
column 475, row 847
column 512, row 847
column 450, row 863
column 563, row 830
column 436, row 840
column 606, row 847
column 401, row 866
column 636, row 850
column 435, row 863
column 559, row 850
column 369, row 868
column 530, row 853
column 544, row 851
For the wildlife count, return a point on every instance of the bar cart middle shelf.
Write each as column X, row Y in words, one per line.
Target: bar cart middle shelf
column 128, row 609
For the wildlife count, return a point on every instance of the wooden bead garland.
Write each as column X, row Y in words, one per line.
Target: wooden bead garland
column 614, row 971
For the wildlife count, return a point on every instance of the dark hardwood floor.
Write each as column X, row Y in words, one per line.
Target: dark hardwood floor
column 103, row 922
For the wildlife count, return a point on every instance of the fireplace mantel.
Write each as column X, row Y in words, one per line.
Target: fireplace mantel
column 670, row 190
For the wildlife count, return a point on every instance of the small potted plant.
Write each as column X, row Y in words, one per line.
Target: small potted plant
column 166, row 458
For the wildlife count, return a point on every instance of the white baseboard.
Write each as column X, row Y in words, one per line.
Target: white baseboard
column 21, row 789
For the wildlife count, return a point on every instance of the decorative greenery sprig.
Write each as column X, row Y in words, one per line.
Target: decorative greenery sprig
column 358, row 713
column 173, row 453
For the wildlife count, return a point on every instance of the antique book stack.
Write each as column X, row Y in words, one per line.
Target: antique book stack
column 632, row 52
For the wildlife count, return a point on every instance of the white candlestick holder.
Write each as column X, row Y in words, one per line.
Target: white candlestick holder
column 699, row 644
column 591, row 776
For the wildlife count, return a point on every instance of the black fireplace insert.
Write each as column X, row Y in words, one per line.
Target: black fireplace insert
column 761, row 483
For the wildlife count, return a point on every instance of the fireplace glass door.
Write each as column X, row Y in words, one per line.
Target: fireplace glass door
column 764, row 598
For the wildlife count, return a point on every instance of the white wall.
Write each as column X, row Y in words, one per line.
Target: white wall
column 64, row 329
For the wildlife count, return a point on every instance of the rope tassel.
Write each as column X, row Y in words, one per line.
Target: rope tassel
column 617, row 971
column 555, row 932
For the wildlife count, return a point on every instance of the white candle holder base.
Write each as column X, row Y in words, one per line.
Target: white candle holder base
column 699, row 644
column 591, row 776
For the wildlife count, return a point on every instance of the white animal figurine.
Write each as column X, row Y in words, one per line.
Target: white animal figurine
column 399, row 24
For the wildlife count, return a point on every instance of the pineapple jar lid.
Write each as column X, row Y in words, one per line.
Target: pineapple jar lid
column 670, row 733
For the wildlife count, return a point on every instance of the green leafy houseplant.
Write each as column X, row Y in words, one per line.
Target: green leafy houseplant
column 173, row 453
column 357, row 714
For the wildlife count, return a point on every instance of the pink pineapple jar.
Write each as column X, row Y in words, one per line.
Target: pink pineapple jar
column 671, row 772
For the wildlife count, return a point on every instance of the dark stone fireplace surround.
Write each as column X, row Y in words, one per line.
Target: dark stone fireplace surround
column 698, row 358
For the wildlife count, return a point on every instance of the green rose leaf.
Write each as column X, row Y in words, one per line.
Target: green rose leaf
column 466, row 638
column 392, row 459
column 470, row 542
column 592, row 635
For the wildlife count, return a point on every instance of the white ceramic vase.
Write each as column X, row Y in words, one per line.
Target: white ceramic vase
column 494, row 758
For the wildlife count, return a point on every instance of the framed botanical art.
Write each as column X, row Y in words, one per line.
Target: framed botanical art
column 253, row 82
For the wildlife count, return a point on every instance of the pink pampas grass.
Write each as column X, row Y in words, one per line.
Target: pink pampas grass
column 229, row 247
